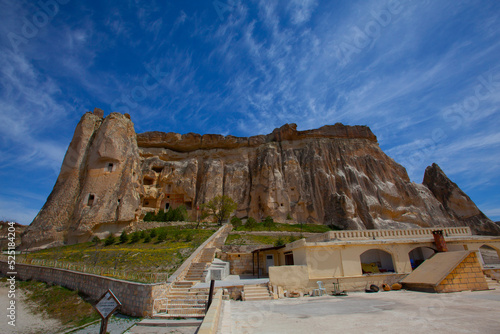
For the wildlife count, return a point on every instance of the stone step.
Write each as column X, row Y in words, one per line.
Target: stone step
column 260, row 293
column 187, row 297
column 181, row 283
column 169, row 323
column 173, row 316
column 255, row 289
column 251, row 298
column 186, row 301
column 186, row 311
column 186, row 306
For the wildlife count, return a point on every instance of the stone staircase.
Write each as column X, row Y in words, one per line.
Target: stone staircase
column 256, row 292
column 183, row 302
column 196, row 272
column 492, row 279
column 183, row 305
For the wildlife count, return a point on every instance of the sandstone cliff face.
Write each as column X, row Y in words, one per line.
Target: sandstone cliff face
column 98, row 188
column 456, row 203
column 335, row 175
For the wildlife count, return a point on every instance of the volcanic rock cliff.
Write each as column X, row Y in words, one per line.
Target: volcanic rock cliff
column 335, row 175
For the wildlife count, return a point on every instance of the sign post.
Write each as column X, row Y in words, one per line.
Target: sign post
column 106, row 306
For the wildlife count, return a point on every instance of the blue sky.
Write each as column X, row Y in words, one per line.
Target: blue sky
column 424, row 75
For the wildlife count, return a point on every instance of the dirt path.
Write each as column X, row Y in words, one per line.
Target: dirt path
column 26, row 322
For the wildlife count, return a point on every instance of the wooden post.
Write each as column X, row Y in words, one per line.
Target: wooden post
column 253, row 263
column 258, row 264
column 104, row 325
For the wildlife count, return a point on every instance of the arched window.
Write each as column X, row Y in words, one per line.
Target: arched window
column 419, row 255
column 375, row 261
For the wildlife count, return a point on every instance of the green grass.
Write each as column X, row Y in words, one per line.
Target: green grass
column 136, row 258
column 250, row 239
column 59, row 303
column 309, row 228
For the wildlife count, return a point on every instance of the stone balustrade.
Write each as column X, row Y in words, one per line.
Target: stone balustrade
column 389, row 234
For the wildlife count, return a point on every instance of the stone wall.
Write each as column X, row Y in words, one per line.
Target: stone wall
column 468, row 275
column 136, row 298
column 240, row 264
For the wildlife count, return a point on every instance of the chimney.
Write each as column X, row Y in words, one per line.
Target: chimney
column 439, row 241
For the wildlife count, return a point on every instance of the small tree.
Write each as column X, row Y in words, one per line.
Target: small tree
column 109, row 240
column 220, row 207
column 124, row 237
column 149, row 217
column 269, row 223
column 279, row 242
column 136, row 236
column 236, row 222
column 251, row 223
column 96, row 240
column 162, row 235
column 147, row 238
column 152, row 234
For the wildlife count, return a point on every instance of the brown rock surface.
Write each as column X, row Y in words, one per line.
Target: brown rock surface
column 91, row 196
column 456, row 203
column 335, row 175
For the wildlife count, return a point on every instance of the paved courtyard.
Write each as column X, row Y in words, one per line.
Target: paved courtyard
column 383, row 312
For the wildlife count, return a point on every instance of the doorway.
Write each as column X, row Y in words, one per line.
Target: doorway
column 269, row 261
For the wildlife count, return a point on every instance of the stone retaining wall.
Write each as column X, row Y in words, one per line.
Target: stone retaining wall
column 136, row 298
column 277, row 233
column 140, row 226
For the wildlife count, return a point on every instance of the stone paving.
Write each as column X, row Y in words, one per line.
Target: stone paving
column 384, row 312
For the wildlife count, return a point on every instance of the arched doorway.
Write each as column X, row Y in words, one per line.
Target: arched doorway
column 419, row 255
column 489, row 256
column 376, row 261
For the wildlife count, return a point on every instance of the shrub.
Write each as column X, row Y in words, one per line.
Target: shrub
column 288, row 217
column 153, row 233
column 178, row 214
column 147, row 238
column 269, row 223
column 143, row 234
column 149, row 217
column 251, row 223
column 279, row 242
column 161, row 216
column 96, row 240
column 124, row 237
column 236, row 222
column 109, row 240
column 162, row 235
column 135, row 237
column 292, row 238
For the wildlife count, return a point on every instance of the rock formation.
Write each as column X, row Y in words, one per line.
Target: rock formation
column 456, row 203
column 335, row 175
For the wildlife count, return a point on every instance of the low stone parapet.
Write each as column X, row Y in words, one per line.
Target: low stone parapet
column 136, row 298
